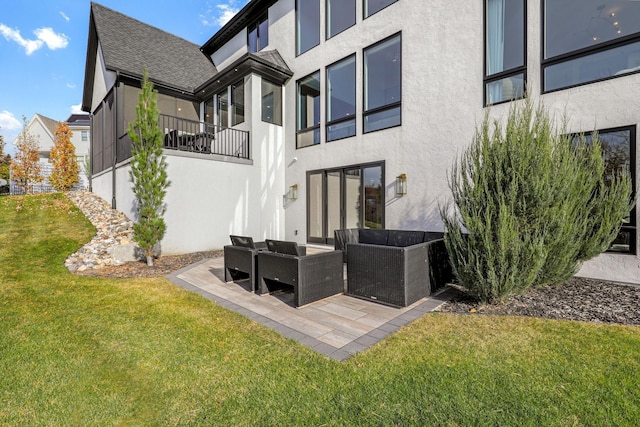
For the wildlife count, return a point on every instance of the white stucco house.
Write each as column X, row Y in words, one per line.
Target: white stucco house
column 43, row 129
column 300, row 117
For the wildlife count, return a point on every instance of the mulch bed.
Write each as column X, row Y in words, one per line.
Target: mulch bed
column 161, row 266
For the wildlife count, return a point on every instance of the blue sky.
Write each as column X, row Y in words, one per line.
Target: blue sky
column 43, row 49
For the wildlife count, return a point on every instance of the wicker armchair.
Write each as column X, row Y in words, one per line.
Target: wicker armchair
column 313, row 277
column 394, row 267
column 241, row 258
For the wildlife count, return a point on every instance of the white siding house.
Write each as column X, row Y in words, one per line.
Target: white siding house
column 341, row 99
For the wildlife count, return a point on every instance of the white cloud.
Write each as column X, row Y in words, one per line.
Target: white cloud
column 221, row 13
column 52, row 39
column 76, row 109
column 64, row 16
column 45, row 36
column 8, row 121
column 71, row 86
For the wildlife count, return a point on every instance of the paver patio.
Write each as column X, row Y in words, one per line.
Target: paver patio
column 338, row 326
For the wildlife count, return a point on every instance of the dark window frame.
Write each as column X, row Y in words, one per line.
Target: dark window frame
column 233, row 105
column 355, row 113
column 578, row 54
column 256, row 25
column 296, row 43
column 632, row 226
column 278, row 123
column 365, row 112
column 364, row 9
column 326, row 29
column 512, row 72
column 314, row 127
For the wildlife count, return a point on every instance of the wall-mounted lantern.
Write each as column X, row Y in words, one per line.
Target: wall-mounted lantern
column 401, row 184
column 291, row 195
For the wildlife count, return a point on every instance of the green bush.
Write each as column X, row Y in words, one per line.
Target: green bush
column 531, row 205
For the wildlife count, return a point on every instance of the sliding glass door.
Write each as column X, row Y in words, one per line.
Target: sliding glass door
column 349, row 197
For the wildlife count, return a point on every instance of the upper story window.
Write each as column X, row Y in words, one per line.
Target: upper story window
column 258, row 35
column 341, row 14
column 341, row 99
column 308, row 105
column 271, row 102
column 237, row 103
column 373, row 6
column 307, row 25
column 589, row 40
column 223, row 108
column 618, row 149
column 505, row 47
column 209, row 111
column 84, row 135
column 383, row 84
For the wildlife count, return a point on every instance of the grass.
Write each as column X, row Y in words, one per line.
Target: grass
column 89, row 351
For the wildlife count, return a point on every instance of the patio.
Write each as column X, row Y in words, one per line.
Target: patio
column 337, row 327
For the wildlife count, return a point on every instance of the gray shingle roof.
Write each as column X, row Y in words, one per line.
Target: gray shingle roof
column 51, row 124
column 274, row 58
column 129, row 45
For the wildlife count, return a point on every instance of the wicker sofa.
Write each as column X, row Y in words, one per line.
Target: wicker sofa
column 394, row 267
column 313, row 277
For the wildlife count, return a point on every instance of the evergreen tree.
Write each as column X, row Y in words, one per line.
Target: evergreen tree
column 25, row 166
column 65, row 172
column 148, row 172
column 531, row 205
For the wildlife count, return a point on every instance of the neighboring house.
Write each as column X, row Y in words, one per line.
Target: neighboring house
column 300, row 117
column 43, row 129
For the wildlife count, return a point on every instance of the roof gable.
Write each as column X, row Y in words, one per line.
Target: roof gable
column 128, row 46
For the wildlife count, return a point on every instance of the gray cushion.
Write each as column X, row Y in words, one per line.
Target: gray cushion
column 373, row 236
column 403, row 238
column 284, row 247
column 243, row 241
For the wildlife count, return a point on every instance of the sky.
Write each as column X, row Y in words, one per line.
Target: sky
column 43, row 46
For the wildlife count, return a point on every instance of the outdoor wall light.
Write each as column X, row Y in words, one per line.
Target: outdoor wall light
column 293, row 192
column 401, row 184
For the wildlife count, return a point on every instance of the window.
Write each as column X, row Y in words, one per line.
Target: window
column 271, row 103
column 84, row 135
column 223, row 109
column 237, row 103
column 373, row 6
column 382, row 84
column 618, row 148
column 341, row 14
column 307, row 25
column 341, row 99
column 505, row 47
column 308, row 111
column 258, row 35
column 208, row 111
column 589, row 40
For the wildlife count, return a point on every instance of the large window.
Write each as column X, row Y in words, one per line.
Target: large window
column 307, row 25
column 308, row 105
column 589, row 40
column 209, row 111
column 618, row 147
column 348, row 197
column 341, row 14
column 505, row 49
column 271, row 102
column 223, row 109
column 341, row 99
column 382, row 84
column 373, row 6
column 258, row 35
column 237, row 103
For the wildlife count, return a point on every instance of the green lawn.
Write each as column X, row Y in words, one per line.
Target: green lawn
column 86, row 351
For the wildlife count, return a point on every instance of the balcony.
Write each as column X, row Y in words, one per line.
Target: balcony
column 199, row 137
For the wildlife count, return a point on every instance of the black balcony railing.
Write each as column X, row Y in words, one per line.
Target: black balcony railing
column 199, row 137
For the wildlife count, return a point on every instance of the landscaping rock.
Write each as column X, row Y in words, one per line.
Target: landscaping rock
column 114, row 233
